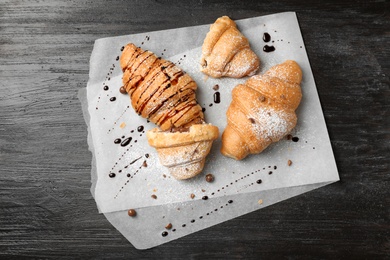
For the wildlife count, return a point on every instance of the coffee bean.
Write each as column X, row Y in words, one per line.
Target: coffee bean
column 122, row 90
column 131, row 213
column 209, row 177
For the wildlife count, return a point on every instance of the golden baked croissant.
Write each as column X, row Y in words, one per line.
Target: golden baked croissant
column 262, row 110
column 184, row 153
column 226, row 52
column 159, row 90
column 163, row 93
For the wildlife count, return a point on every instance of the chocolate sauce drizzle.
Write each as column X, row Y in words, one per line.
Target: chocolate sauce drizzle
column 129, row 175
column 105, row 86
column 179, row 61
column 193, row 220
column 116, row 121
column 252, row 175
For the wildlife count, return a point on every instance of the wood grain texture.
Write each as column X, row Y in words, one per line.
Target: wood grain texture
column 46, row 209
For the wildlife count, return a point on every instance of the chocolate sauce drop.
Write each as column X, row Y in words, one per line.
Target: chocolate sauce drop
column 164, row 234
column 217, row 97
column 267, row 48
column 266, row 37
column 122, row 48
column 295, row 139
column 126, row 141
column 259, row 181
column 117, row 141
column 105, row 88
column 112, row 99
column 140, row 128
column 205, row 198
column 117, row 58
column 111, row 175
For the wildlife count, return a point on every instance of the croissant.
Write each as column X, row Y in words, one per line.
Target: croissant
column 184, row 153
column 161, row 92
column 262, row 110
column 226, row 52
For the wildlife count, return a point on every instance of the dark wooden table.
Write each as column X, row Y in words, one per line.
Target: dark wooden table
column 46, row 208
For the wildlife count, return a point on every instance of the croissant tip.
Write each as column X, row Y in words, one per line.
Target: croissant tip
column 184, row 172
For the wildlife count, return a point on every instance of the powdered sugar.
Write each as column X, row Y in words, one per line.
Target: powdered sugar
column 271, row 123
column 230, row 55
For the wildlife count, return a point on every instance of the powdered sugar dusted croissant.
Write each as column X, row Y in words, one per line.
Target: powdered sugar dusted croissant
column 226, row 52
column 159, row 90
column 262, row 110
column 163, row 93
column 184, row 153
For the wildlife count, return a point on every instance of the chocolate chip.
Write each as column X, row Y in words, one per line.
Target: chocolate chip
column 209, row 177
column 262, row 98
column 192, row 195
column 289, row 162
column 131, row 213
column 169, row 226
column 154, row 196
column 216, row 87
column 252, row 120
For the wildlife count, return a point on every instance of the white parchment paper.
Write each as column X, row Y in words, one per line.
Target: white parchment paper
column 138, row 174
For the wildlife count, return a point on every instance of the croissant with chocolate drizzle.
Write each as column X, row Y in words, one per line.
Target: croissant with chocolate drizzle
column 226, row 51
column 164, row 94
